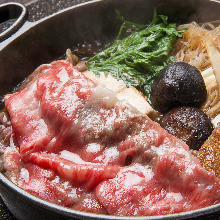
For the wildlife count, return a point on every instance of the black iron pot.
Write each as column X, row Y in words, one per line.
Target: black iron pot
column 47, row 40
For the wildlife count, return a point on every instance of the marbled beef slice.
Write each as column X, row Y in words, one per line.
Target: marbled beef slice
column 77, row 145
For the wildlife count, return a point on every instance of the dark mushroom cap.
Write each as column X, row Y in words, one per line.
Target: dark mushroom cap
column 178, row 84
column 189, row 124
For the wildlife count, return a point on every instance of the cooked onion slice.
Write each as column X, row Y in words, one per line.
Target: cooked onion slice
column 212, row 81
column 214, row 56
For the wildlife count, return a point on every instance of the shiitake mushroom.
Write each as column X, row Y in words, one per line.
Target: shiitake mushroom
column 189, row 124
column 178, row 84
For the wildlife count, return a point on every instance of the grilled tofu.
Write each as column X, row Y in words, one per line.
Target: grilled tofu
column 209, row 152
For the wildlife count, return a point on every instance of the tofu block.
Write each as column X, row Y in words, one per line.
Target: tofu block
column 131, row 94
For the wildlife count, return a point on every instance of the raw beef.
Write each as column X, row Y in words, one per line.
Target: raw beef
column 77, row 145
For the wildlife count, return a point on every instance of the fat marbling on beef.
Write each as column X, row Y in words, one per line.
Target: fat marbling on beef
column 78, row 146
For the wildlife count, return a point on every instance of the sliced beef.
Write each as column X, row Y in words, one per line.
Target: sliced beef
column 163, row 178
column 88, row 174
column 42, row 106
column 46, row 184
column 58, row 109
column 80, row 147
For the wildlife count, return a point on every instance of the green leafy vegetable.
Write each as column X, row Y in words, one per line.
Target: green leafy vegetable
column 138, row 58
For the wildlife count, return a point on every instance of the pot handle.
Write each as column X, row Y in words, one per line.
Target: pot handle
column 12, row 17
